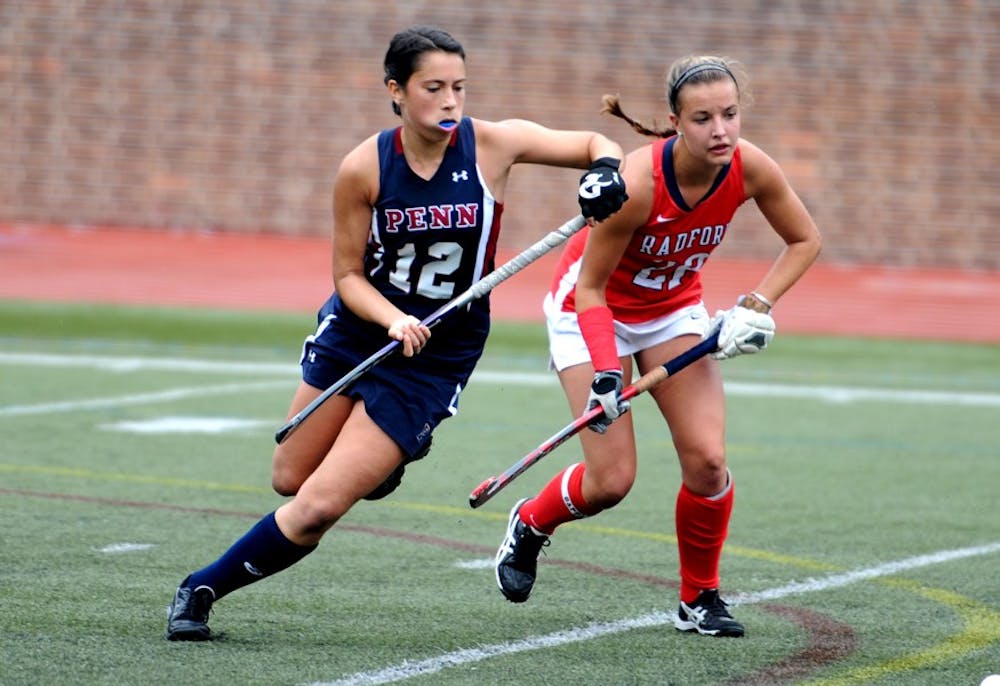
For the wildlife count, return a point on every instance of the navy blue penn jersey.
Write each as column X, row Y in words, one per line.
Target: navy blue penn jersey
column 430, row 240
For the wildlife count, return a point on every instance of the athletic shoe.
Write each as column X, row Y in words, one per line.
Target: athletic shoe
column 187, row 616
column 517, row 558
column 708, row 615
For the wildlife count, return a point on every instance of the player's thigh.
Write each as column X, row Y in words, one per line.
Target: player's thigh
column 306, row 447
column 692, row 401
column 361, row 458
column 610, row 456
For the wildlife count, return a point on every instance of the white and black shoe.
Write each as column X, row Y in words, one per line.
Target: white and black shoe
column 517, row 557
column 708, row 615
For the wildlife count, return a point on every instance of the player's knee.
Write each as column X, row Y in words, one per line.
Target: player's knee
column 705, row 472
column 283, row 488
column 314, row 517
column 290, row 469
column 284, row 481
column 611, row 488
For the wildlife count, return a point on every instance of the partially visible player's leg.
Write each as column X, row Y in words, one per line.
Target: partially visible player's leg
column 354, row 466
column 301, row 453
column 581, row 490
column 605, row 476
column 393, row 481
column 702, row 525
column 360, row 460
column 693, row 403
column 262, row 551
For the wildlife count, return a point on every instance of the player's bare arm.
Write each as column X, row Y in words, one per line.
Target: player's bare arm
column 781, row 206
column 512, row 141
column 354, row 191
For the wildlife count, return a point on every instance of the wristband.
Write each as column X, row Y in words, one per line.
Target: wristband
column 756, row 302
column 762, row 299
column 597, row 326
column 612, row 162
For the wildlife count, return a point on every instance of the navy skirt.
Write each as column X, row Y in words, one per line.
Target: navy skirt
column 407, row 397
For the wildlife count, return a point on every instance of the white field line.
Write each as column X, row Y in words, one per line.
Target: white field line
column 126, row 547
column 408, row 669
column 138, row 398
column 832, row 394
column 842, row 394
column 115, row 363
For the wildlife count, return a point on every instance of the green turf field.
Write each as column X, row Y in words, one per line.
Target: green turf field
column 864, row 547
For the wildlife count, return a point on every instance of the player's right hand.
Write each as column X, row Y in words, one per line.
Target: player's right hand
column 410, row 333
column 604, row 392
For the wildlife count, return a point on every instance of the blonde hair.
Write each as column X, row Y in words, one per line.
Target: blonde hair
column 692, row 69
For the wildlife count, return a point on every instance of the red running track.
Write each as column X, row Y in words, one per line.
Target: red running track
column 253, row 271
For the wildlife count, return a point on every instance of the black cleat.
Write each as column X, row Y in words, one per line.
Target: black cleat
column 517, row 558
column 187, row 616
column 708, row 615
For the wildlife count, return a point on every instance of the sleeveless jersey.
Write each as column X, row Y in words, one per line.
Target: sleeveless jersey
column 430, row 240
column 659, row 271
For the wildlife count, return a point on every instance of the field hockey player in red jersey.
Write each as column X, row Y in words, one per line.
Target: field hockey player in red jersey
column 627, row 295
column 416, row 216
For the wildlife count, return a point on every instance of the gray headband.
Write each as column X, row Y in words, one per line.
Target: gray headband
column 688, row 73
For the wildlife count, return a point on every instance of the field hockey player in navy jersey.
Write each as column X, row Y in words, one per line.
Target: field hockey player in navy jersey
column 416, row 218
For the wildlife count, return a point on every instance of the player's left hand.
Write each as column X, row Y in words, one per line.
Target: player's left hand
column 602, row 190
column 742, row 331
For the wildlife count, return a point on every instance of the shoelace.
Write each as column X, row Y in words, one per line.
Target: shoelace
column 718, row 607
column 200, row 605
column 530, row 544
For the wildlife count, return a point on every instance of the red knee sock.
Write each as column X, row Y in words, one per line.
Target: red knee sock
column 561, row 500
column 702, row 525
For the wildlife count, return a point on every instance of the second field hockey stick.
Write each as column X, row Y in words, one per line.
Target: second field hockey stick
column 476, row 290
column 491, row 486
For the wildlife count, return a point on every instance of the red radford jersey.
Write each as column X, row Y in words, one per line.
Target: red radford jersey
column 659, row 272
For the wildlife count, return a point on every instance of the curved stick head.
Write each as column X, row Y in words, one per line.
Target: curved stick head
column 479, row 493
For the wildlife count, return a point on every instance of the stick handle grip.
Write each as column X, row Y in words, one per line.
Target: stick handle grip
column 654, row 377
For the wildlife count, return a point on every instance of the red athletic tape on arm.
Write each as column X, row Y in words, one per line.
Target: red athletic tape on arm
column 598, row 328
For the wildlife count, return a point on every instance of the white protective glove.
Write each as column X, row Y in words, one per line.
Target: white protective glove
column 604, row 391
column 742, row 332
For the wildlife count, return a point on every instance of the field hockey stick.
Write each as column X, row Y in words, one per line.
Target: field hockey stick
column 493, row 485
column 477, row 290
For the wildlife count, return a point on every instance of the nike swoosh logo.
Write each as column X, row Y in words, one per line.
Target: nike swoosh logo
column 660, row 219
column 253, row 570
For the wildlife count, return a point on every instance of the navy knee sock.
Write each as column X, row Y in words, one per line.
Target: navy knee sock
column 261, row 552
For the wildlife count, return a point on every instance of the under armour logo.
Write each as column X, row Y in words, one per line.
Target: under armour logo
column 424, row 432
column 460, row 176
column 312, row 356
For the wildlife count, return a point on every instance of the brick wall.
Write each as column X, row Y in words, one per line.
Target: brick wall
column 233, row 114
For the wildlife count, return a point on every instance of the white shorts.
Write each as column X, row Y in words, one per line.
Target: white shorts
column 567, row 347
